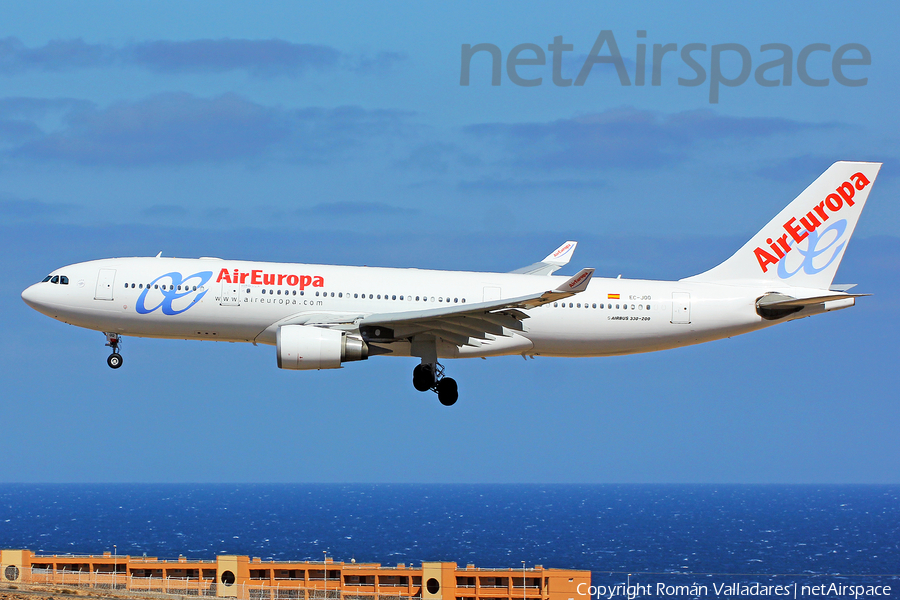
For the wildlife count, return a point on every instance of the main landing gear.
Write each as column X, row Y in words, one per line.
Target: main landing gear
column 115, row 359
column 430, row 376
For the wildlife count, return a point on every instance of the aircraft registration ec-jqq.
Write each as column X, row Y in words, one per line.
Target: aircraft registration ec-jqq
column 320, row 316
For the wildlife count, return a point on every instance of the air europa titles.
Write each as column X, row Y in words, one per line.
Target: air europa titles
column 259, row 277
column 833, row 203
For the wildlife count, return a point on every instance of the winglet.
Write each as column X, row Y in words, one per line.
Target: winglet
column 577, row 283
column 554, row 261
column 561, row 255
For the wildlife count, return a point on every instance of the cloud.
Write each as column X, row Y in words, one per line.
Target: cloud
column 379, row 63
column 258, row 57
column 57, row 55
column 179, row 128
column 356, row 209
column 166, row 128
column 491, row 184
column 164, row 211
column 31, row 210
column 437, row 157
column 627, row 137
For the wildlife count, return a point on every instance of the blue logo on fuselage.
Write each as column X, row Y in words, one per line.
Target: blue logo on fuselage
column 175, row 288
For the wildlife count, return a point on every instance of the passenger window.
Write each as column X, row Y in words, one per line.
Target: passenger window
column 248, row 290
column 455, row 300
column 394, row 297
column 379, row 296
column 126, row 285
column 595, row 305
column 295, row 292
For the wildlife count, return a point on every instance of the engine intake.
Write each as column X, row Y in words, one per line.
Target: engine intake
column 305, row 347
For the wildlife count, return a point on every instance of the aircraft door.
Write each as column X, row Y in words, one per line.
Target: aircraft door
column 231, row 294
column 105, row 281
column 681, row 307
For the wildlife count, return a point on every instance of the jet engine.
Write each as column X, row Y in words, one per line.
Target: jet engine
column 307, row 347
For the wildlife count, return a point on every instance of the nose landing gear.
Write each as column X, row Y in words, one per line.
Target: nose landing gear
column 115, row 359
column 430, row 376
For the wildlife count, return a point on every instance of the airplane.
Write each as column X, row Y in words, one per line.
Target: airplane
column 321, row 316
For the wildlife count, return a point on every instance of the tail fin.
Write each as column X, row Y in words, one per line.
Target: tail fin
column 803, row 245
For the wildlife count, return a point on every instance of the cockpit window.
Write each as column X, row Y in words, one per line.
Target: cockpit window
column 46, row 279
column 55, row 279
column 64, row 280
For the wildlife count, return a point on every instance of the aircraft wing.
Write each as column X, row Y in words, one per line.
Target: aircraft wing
column 465, row 324
column 552, row 263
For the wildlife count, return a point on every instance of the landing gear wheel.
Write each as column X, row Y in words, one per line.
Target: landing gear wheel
column 447, row 391
column 114, row 361
column 423, row 377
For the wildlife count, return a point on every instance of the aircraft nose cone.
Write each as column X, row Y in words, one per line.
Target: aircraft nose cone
column 32, row 296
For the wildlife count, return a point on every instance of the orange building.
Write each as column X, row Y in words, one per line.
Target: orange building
column 254, row 579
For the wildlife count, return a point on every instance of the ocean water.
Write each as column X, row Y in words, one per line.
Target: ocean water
column 851, row 533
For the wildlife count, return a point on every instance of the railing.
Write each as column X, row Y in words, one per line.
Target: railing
column 176, row 588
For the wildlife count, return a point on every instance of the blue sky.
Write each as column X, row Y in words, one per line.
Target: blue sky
column 340, row 133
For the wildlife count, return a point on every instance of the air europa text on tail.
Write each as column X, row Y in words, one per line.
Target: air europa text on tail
column 833, row 203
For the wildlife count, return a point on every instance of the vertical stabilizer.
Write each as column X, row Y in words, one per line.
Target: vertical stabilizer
column 804, row 244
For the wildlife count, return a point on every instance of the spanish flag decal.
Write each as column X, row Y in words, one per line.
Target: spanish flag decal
column 612, row 296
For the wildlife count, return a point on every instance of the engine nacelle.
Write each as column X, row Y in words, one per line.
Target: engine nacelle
column 307, row 347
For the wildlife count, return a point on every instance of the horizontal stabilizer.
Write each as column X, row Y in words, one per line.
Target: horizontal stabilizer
column 774, row 306
column 782, row 301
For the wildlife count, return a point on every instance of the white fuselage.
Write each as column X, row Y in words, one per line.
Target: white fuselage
column 155, row 297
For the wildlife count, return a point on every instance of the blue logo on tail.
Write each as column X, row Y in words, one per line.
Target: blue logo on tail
column 807, row 265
